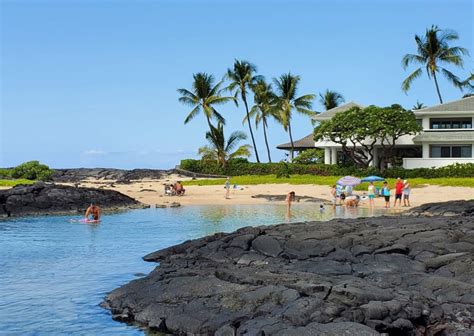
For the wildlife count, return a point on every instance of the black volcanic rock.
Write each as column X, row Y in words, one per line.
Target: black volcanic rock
column 80, row 174
column 42, row 198
column 395, row 275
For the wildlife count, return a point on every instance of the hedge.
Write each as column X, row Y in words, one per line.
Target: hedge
column 243, row 167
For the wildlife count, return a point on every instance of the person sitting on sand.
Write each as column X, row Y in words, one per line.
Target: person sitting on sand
column 290, row 197
column 352, row 201
column 93, row 210
column 178, row 187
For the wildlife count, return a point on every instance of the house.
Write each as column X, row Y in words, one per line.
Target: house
column 447, row 137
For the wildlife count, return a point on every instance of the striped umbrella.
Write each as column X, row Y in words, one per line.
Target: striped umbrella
column 348, row 181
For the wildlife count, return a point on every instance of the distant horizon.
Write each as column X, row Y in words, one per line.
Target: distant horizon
column 93, row 85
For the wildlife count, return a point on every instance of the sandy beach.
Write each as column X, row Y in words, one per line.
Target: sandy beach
column 152, row 192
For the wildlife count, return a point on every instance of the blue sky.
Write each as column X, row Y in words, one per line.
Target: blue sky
column 93, row 83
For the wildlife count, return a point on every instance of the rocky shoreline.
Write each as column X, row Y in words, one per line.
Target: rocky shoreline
column 47, row 199
column 405, row 275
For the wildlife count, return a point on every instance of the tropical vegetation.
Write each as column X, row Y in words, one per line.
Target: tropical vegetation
column 359, row 130
column 263, row 109
column 242, row 77
column 222, row 150
column 203, row 97
column 331, row 99
column 433, row 50
column 288, row 102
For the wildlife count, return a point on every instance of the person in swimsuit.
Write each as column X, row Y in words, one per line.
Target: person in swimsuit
column 227, row 187
column 386, row 194
column 290, row 197
column 334, row 195
column 93, row 210
column 406, row 193
column 371, row 194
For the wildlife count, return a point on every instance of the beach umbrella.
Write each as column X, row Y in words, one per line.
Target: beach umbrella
column 372, row 178
column 348, row 181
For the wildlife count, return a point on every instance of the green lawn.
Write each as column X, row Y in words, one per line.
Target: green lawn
column 330, row 180
column 12, row 183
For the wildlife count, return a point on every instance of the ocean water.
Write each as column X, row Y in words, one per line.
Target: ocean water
column 54, row 273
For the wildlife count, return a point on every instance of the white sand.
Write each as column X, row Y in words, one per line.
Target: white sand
column 209, row 195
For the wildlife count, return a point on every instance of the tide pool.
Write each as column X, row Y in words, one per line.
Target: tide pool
column 54, row 274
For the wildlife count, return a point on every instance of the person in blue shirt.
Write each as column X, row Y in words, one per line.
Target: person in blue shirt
column 386, row 194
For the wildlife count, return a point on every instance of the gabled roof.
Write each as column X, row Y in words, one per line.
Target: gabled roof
column 303, row 143
column 461, row 105
column 330, row 113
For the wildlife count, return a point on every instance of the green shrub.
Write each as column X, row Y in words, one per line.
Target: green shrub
column 283, row 170
column 242, row 167
column 5, row 173
column 32, row 170
column 309, row 156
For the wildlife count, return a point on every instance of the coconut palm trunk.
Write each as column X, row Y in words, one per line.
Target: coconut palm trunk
column 291, row 141
column 437, row 87
column 244, row 98
column 266, row 140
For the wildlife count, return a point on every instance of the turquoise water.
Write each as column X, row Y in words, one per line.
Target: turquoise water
column 54, row 274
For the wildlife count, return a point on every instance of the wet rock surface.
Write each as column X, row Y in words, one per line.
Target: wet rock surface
column 394, row 275
column 43, row 199
column 298, row 198
column 455, row 208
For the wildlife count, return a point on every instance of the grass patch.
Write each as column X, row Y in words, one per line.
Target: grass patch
column 330, row 180
column 12, row 183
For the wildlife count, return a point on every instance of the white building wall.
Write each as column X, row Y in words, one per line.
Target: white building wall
column 433, row 162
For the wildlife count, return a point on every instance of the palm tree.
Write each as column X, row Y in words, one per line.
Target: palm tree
column 286, row 87
column 203, row 96
column 263, row 108
column 418, row 106
column 221, row 150
column 241, row 78
column 331, row 99
column 432, row 49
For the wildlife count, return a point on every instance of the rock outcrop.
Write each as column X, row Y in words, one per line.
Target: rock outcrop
column 80, row 174
column 395, row 275
column 42, row 199
column 455, row 208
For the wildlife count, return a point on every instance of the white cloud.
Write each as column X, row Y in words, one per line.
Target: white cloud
column 94, row 152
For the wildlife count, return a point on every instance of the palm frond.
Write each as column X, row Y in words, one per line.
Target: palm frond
column 453, row 79
column 192, row 114
column 409, row 80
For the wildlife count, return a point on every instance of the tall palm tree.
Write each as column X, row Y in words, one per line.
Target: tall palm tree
column 331, row 99
column 286, row 87
column 418, row 106
column 241, row 77
column 203, row 96
column 432, row 50
column 263, row 108
column 221, row 150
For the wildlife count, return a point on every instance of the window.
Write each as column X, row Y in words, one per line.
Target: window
column 450, row 123
column 447, row 151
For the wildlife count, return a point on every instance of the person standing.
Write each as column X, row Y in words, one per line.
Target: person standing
column 334, row 195
column 386, row 194
column 227, row 187
column 398, row 192
column 371, row 194
column 406, row 193
column 290, row 197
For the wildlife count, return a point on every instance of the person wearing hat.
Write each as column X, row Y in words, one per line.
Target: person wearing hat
column 406, row 193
